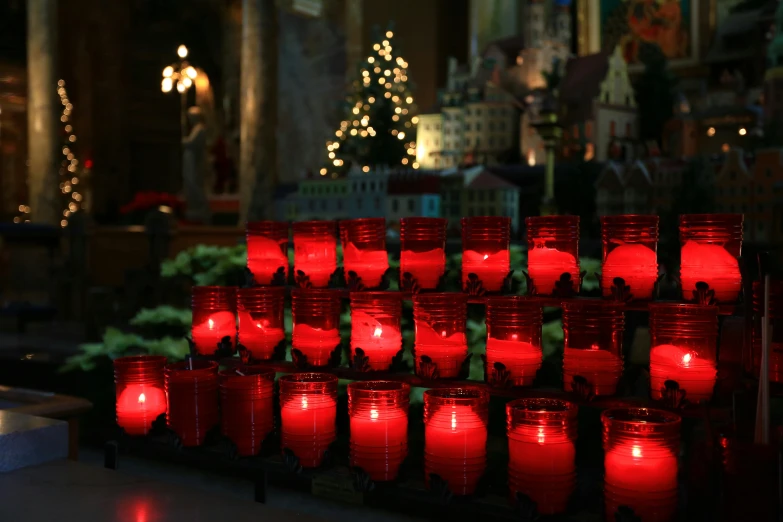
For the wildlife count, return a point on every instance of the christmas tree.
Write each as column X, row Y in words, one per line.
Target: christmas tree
column 379, row 126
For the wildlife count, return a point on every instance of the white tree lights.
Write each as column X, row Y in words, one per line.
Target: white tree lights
column 69, row 166
column 378, row 128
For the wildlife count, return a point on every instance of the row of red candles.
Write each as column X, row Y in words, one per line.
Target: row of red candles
column 641, row 445
column 684, row 336
column 711, row 246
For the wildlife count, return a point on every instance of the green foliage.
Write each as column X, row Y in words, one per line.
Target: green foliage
column 208, row 265
column 163, row 316
column 591, row 267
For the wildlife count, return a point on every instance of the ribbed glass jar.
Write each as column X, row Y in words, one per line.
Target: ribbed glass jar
column 541, row 435
column 246, row 396
column 641, row 447
column 375, row 327
column 441, row 344
column 267, row 250
column 775, row 321
column 552, row 250
column 485, row 251
column 711, row 245
column 364, row 249
column 214, row 317
column 316, row 318
column 593, row 332
column 315, row 251
column 423, row 250
column 192, row 391
column 140, row 392
column 379, row 427
column 455, row 437
column 630, row 252
column 260, row 314
column 684, row 339
column 308, row 407
column 513, row 340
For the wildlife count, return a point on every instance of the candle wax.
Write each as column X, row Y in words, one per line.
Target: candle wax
column 208, row 334
column 379, row 441
column 316, row 258
column 455, row 447
column 138, row 406
column 257, row 336
column 713, row 265
column 636, row 264
column 546, row 265
column 308, row 427
column 520, row 358
column 601, row 368
column 379, row 342
column 426, row 267
column 315, row 343
column 264, row 258
column 370, row 265
column 492, row 269
column 693, row 374
column 447, row 351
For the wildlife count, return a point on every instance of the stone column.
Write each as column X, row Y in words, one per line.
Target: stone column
column 42, row 121
column 354, row 33
column 258, row 109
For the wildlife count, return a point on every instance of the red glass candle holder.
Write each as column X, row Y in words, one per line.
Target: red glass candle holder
column 316, row 318
column 640, row 459
column 364, row 250
column 513, row 340
column 192, row 390
column 267, row 251
column 315, row 252
column 541, row 435
column 375, row 329
column 140, row 392
column 485, row 252
column 683, row 354
column 455, row 437
column 441, row 344
column 552, row 252
column 246, row 395
column 630, row 252
column 593, row 354
column 214, row 317
column 308, row 406
column 710, row 248
column 379, row 427
column 775, row 321
column 422, row 251
column 260, row 314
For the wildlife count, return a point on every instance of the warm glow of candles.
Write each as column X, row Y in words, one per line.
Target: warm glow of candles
column 369, row 265
column 209, row 333
column 426, row 267
column 713, row 265
column 485, row 244
column 317, row 344
column 422, row 250
column 693, row 374
column 636, row 264
column 379, row 342
column 315, row 250
column 138, row 406
column 440, row 325
column 308, row 407
column 491, row 268
column 521, row 358
column 265, row 257
column 545, row 266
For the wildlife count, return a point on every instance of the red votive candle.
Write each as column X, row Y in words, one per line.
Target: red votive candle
column 191, row 387
column 485, row 244
column 246, row 407
column 552, row 250
column 513, row 339
column 364, row 249
column 267, row 249
column 640, row 460
column 315, row 250
column 214, row 317
column 260, row 313
column 423, row 250
column 541, row 452
column 683, row 340
column 440, row 338
column 775, row 321
column 316, row 318
column 139, row 388
column 455, row 437
column 308, row 407
column 630, row 246
column 375, row 326
column 379, row 427
column 710, row 247
column 593, row 332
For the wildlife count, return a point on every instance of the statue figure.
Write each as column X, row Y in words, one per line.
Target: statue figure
column 194, row 167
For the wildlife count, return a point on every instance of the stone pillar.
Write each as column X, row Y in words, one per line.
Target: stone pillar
column 42, row 121
column 258, row 110
column 354, row 32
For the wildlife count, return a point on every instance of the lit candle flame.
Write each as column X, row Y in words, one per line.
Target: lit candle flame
column 378, row 331
column 686, row 359
column 304, row 403
column 636, row 452
column 142, row 399
column 443, row 333
column 211, row 324
column 373, row 414
column 486, row 256
column 454, row 421
column 541, row 438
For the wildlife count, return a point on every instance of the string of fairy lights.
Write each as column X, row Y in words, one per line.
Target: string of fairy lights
column 391, row 74
column 69, row 164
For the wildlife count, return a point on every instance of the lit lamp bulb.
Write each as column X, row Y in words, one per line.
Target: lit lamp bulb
column 166, row 85
column 168, row 72
column 182, row 51
column 187, row 82
column 191, row 72
column 181, row 87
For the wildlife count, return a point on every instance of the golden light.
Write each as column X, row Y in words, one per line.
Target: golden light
column 370, row 59
column 415, row 120
column 387, row 95
column 168, row 71
column 182, row 51
column 323, row 172
column 401, row 136
column 711, row 131
column 180, row 87
column 398, row 110
column 376, row 47
column 166, row 85
column 336, row 163
column 371, row 99
column 409, row 99
column 331, row 155
column 415, row 165
column 389, row 34
column 395, row 118
column 188, row 82
column 725, row 147
column 365, row 169
column 388, row 57
column 191, row 72
column 385, row 43
column 387, row 72
column 353, row 132
column 71, row 138
column 63, row 223
column 743, row 131
column 338, row 133
column 404, row 161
